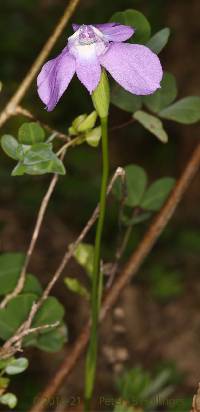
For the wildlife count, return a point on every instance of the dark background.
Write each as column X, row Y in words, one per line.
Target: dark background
column 155, row 330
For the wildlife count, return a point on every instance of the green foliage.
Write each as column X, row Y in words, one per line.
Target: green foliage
column 84, row 255
column 125, row 100
column 10, row 366
column 53, row 340
column 136, row 20
column 136, row 219
column 15, row 313
column 18, row 309
column 16, row 366
column 50, row 312
column 165, row 284
column 186, row 111
column 10, row 267
column 152, row 124
column 138, row 387
column 136, row 181
column 9, row 399
column 37, row 160
column 136, row 194
column 34, row 156
column 163, row 96
column 10, row 145
column 32, row 285
column 75, row 286
column 159, row 40
column 31, row 133
column 157, row 193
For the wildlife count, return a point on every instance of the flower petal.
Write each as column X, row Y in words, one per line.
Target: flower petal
column 88, row 68
column 54, row 78
column 135, row 67
column 115, row 32
column 75, row 26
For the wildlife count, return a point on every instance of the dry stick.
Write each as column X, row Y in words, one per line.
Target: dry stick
column 26, row 113
column 39, row 221
column 15, row 100
column 14, row 343
column 127, row 273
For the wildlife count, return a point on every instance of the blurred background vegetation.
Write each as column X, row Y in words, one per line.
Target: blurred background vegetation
column 161, row 308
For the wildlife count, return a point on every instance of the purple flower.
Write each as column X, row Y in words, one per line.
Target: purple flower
column 135, row 67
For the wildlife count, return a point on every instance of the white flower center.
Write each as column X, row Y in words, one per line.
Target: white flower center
column 87, row 42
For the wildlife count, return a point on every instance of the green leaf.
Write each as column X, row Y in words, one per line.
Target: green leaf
column 37, row 160
column 75, row 286
column 88, row 123
column 164, row 96
column 15, row 313
column 5, row 362
column 17, row 366
column 132, row 383
column 10, row 145
column 32, row 285
column 51, row 312
column 125, row 100
column 84, row 255
column 153, row 124
column 19, row 170
column 9, row 399
column 31, row 133
column 4, row 382
column 157, row 193
column 136, row 181
column 159, row 40
column 136, row 20
column 10, row 268
column 142, row 217
column 52, row 341
column 93, row 136
column 186, row 111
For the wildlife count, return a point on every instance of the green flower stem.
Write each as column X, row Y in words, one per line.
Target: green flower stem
column 91, row 358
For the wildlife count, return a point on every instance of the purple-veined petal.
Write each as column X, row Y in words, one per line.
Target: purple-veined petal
column 135, row 67
column 54, row 78
column 115, row 32
column 88, row 68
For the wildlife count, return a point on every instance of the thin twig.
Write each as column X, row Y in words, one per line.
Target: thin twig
column 36, row 231
column 130, row 270
column 14, row 344
column 9, row 110
column 26, row 113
